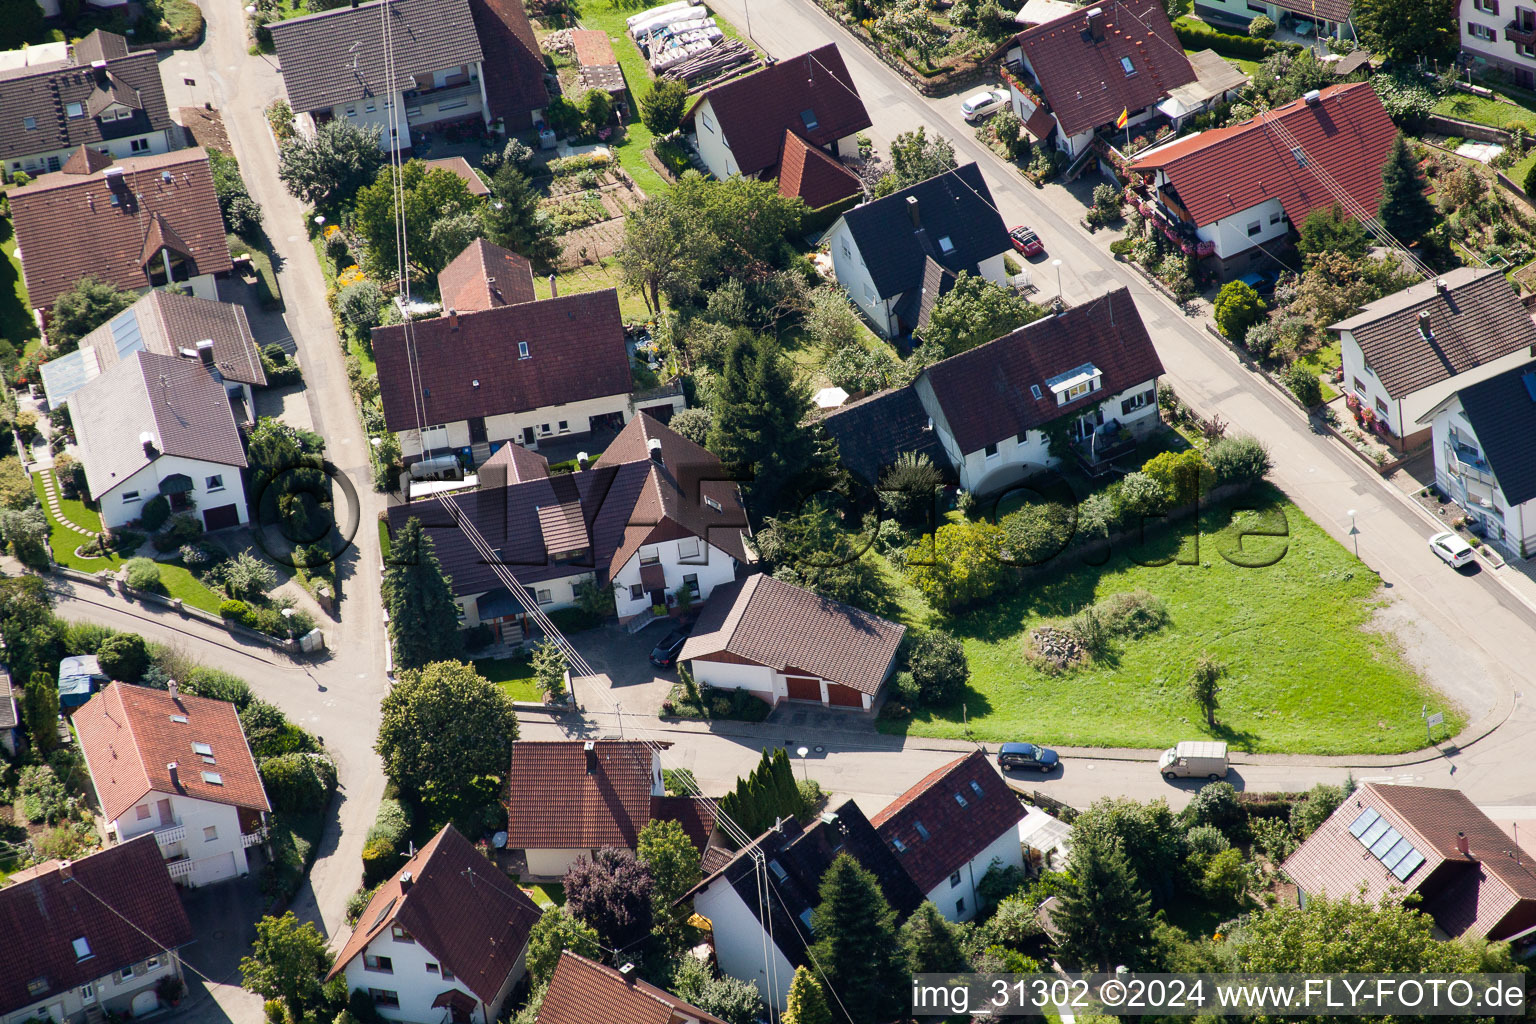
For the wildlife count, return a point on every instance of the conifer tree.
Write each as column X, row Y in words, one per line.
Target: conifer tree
column 1404, row 209
column 856, row 945
column 1105, row 917
column 806, row 1003
column 423, row 617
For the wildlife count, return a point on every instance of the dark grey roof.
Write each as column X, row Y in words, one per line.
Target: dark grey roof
column 956, row 205
column 1502, row 411
column 44, row 93
column 338, row 56
column 873, row 431
column 916, row 306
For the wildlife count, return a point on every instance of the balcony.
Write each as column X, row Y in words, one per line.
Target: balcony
column 251, row 839
column 1159, row 210
column 1098, row 452
column 179, row 869
column 170, row 835
column 1521, row 31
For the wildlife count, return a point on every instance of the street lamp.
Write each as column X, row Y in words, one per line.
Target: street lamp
column 1354, row 532
column 1057, row 265
column 804, row 771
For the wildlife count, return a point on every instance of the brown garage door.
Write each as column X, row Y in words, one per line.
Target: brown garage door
column 842, row 696
column 221, row 518
column 803, row 688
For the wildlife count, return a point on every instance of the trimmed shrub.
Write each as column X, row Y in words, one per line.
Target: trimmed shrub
column 230, row 608
column 86, row 637
column 125, row 656
column 384, row 847
column 1198, row 37
column 216, row 684
column 1303, row 384
column 1216, row 805
column 1238, row 460
column 155, row 512
column 294, row 782
column 1261, row 27
column 143, row 574
column 937, row 663
column 1037, row 532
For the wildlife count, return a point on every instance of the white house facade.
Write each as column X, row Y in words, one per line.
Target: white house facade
column 715, row 149
column 956, row 895
column 1467, row 471
column 689, row 563
column 148, row 143
column 528, row 428
column 130, row 990
column 1330, row 20
column 740, row 941
column 200, row 840
column 217, row 493
column 441, row 96
column 1402, row 413
column 405, row 980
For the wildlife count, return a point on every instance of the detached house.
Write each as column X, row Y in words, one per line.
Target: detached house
column 161, row 425
column 1073, row 76
column 896, row 255
column 1470, row 877
column 793, row 859
column 655, row 514
column 1301, row 17
column 140, row 223
column 445, row 939
column 585, row 992
column 1500, row 34
column 1233, row 194
column 334, row 66
column 57, row 97
column 1407, row 352
column 1484, row 458
column 781, row 642
column 70, row 959
column 951, row 828
column 177, row 766
column 761, row 125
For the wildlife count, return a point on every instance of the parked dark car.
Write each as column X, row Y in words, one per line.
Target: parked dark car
column 1027, row 756
column 666, row 652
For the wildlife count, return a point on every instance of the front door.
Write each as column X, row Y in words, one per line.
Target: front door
column 529, row 438
column 477, row 430
column 88, row 993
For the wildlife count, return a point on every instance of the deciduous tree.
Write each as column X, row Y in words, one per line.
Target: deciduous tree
column 673, row 861
column 444, row 729
column 976, row 311
column 328, row 169
column 85, row 306
column 287, row 961
column 556, row 930
column 915, row 157
column 427, row 195
column 423, row 617
column 611, row 891
column 963, row 566
column 1407, row 32
column 1204, row 686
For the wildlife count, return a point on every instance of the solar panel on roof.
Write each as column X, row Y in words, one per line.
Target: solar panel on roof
column 1368, row 817
column 1402, row 849
column 1374, row 833
column 67, row 374
column 1406, row 866
column 1388, row 839
column 125, row 333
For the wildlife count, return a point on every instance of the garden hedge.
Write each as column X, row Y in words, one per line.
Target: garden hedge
column 1197, row 37
column 385, row 845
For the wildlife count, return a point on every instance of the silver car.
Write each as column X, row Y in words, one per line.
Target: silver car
column 982, row 104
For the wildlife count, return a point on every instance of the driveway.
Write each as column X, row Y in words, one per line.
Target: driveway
column 624, row 671
column 223, row 920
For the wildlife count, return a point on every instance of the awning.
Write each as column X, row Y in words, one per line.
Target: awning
column 652, row 578
column 176, row 483
column 496, row 604
column 454, row 999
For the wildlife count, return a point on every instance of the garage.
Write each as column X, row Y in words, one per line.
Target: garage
column 803, row 688
column 221, row 518
column 840, row 696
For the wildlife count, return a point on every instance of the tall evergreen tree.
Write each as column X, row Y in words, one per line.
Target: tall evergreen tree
column 931, row 944
column 1105, row 917
column 784, row 784
column 856, row 945
column 1405, row 210
column 806, row 1003
column 40, row 709
column 423, row 619
column 758, row 409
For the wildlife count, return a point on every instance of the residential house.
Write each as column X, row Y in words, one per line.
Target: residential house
column 583, row 991
column 1504, row 41
column 334, row 66
column 168, row 324
column 820, row 181
column 1433, row 843
column 571, row 798
column 523, row 371
column 1484, row 460
column 1217, row 80
column 177, row 766
column 68, row 959
column 1233, row 194
column 445, row 939
column 781, row 642
column 485, row 275
column 1304, row 18
column 654, row 515
column 760, row 916
column 1407, row 352
column 124, row 223
column 746, row 125
column 873, row 431
column 1071, row 77
column 11, row 726
column 959, row 822
column 896, row 255
column 161, row 425
column 57, row 97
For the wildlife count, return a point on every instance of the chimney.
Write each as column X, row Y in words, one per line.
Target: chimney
column 1441, row 286
column 171, row 767
column 205, row 351
column 1313, row 98
column 1096, row 24
column 354, row 4
column 99, row 67
column 453, row 319
column 582, row 459
column 553, row 291
column 405, row 876
column 917, row 220
column 1462, row 846
column 653, row 447
column 1424, row 325
column 148, row 441
column 591, row 749
column 173, row 689
column 628, row 971
column 66, row 870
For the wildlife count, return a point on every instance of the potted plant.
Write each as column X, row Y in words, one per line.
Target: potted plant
column 170, row 989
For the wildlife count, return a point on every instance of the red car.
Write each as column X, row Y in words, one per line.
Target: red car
column 1026, row 241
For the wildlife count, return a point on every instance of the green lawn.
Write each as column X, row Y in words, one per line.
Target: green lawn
column 546, row 894
column 1248, row 67
column 1482, row 110
column 16, row 323
column 1323, row 362
column 591, row 278
column 1303, row 675
column 1520, row 169
column 513, row 675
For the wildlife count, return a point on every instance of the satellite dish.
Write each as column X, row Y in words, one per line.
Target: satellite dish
column 499, row 840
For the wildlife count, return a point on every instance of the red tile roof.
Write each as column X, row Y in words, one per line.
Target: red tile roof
column 67, row 225
column 128, row 735
column 1226, row 170
column 576, row 352
column 695, row 813
column 45, row 914
column 1083, row 78
column 813, row 175
column 956, row 832
column 484, row 276
column 522, row 464
column 770, row 622
column 459, row 907
column 584, row 992
column 557, row 804
column 514, row 67
column 754, row 110
column 1487, row 894
column 459, row 168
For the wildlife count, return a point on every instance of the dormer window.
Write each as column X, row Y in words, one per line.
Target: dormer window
column 82, row 949
column 1127, row 66
column 1075, row 383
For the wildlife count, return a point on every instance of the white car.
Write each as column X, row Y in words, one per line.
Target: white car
column 1452, row 549
column 979, row 105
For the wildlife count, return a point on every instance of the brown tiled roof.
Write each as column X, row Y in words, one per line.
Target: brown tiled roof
column 44, row 915
column 1223, row 171
column 459, row 167
column 86, row 160
column 459, row 907
column 811, row 174
column 985, row 393
column 43, row 93
column 576, row 352
column 584, row 992
column 485, row 275
column 514, row 73
column 172, row 398
column 522, row 464
column 1328, row 10
column 753, row 111
column 128, row 736
column 1477, row 318
column 556, row 803
column 695, row 813
column 1083, row 79
column 338, row 55
column 770, row 622
column 956, row 832
column 592, row 48
column 873, row 431
column 67, row 226
column 1489, row 894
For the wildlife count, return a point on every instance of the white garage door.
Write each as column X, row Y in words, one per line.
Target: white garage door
column 214, row 869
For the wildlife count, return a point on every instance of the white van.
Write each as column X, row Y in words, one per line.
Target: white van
column 1193, row 759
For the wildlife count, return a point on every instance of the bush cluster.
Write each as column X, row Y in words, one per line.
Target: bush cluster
column 298, row 782
column 384, row 847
